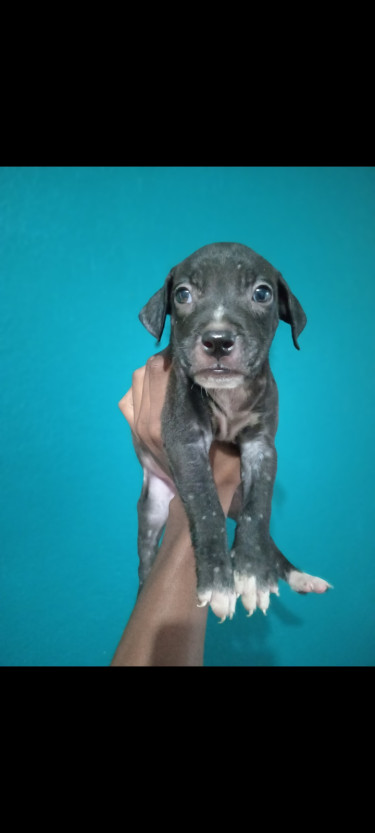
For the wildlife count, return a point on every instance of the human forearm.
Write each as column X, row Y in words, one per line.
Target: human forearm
column 166, row 626
column 170, row 632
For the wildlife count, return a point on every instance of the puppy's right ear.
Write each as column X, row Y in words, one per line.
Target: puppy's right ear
column 290, row 310
column 154, row 313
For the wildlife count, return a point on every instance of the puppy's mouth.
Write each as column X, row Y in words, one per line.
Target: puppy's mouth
column 219, row 369
column 218, row 376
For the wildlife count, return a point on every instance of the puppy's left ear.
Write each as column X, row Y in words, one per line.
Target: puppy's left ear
column 154, row 313
column 290, row 310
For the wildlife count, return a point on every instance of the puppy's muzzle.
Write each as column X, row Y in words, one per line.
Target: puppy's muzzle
column 218, row 359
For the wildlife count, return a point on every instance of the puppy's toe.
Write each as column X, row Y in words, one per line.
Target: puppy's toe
column 204, row 597
column 246, row 587
column 304, row 583
column 253, row 594
column 263, row 599
column 222, row 602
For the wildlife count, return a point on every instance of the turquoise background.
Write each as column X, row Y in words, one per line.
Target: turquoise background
column 81, row 251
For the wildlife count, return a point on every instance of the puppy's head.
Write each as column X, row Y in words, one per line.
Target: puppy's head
column 225, row 302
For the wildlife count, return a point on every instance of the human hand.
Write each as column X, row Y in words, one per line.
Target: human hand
column 143, row 403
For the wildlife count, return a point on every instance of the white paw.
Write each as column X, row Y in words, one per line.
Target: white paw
column 222, row 602
column 303, row 583
column 252, row 595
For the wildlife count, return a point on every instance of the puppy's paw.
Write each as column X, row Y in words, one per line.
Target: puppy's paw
column 253, row 592
column 304, row 583
column 222, row 602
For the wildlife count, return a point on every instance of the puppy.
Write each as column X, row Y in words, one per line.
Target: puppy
column 225, row 302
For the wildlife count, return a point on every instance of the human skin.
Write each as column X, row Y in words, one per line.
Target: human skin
column 166, row 626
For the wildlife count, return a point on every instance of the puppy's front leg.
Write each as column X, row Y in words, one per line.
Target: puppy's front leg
column 258, row 562
column 187, row 437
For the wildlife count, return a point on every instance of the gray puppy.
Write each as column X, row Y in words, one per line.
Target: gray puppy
column 225, row 302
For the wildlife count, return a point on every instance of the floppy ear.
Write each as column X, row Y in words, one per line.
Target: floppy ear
column 290, row 310
column 154, row 313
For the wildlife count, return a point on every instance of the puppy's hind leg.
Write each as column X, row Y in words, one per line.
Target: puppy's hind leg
column 153, row 507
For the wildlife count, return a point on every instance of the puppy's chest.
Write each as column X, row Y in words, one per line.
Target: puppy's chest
column 230, row 413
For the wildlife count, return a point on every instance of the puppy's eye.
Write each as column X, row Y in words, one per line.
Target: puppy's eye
column 262, row 294
column 183, row 295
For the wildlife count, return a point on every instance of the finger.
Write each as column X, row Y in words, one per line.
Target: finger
column 130, row 404
column 126, row 406
column 142, row 412
column 158, row 377
column 138, row 378
column 148, row 418
column 158, row 369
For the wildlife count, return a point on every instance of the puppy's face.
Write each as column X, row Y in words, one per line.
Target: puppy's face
column 225, row 303
column 224, row 312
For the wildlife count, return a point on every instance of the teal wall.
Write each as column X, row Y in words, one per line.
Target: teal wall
column 81, row 250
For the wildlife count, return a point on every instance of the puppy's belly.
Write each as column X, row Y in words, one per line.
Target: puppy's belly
column 151, row 467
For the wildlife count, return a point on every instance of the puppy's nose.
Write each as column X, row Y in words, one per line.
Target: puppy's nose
column 218, row 342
